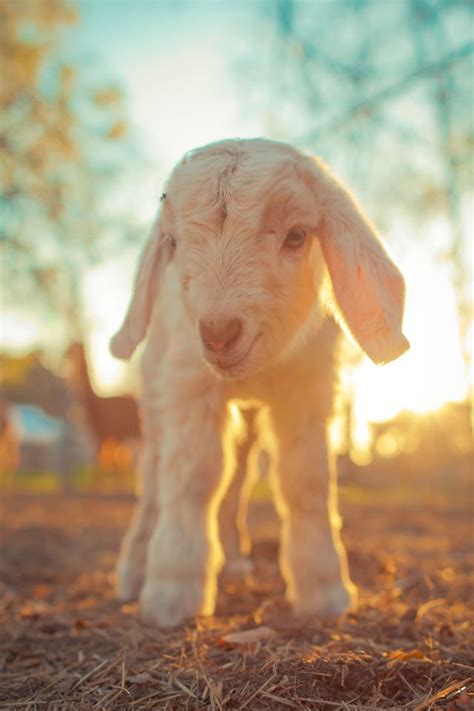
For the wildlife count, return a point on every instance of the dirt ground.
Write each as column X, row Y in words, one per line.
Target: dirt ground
column 65, row 643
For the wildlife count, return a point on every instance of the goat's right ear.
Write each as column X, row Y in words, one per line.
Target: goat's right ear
column 153, row 260
column 369, row 290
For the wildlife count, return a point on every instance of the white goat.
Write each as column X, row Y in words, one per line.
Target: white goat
column 255, row 246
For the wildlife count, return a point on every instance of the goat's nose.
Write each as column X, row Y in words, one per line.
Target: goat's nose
column 220, row 335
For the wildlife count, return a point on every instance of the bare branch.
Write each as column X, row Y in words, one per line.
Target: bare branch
column 369, row 104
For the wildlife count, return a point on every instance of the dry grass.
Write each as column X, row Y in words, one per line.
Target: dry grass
column 67, row 644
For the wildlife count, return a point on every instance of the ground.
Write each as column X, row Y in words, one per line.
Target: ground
column 65, row 643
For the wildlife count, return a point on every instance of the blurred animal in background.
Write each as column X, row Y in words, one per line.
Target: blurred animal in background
column 113, row 422
column 9, row 442
column 255, row 249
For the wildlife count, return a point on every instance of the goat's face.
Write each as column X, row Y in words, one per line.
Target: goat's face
column 249, row 267
column 253, row 227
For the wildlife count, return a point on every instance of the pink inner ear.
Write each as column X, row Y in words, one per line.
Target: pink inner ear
column 370, row 293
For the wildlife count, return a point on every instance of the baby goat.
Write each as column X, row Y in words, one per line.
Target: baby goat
column 255, row 247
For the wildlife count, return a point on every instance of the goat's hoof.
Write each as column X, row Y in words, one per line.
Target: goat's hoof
column 328, row 601
column 169, row 604
column 128, row 584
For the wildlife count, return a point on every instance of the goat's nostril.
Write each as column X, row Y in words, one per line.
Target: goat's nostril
column 220, row 335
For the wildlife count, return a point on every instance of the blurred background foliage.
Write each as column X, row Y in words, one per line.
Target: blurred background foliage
column 382, row 91
column 62, row 137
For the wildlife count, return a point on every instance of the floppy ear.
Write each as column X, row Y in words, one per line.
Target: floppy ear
column 368, row 287
column 153, row 260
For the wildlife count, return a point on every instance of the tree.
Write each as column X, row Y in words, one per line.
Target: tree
column 61, row 137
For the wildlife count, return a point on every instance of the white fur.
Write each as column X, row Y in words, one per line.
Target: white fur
column 230, row 207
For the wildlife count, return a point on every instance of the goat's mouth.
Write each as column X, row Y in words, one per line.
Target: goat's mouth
column 232, row 366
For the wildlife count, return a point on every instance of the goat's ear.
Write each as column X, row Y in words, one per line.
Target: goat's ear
column 153, row 260
column 368, row 288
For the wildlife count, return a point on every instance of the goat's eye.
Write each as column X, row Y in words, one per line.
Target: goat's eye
column 295, row 238
column 172, row 241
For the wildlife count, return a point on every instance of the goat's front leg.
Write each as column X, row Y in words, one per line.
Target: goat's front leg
column 130, row 569
column 184, row 553
column 312, row 556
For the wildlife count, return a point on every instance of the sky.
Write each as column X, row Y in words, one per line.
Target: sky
column 176, row 63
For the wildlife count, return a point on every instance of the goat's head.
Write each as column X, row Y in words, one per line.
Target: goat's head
column 256, row 230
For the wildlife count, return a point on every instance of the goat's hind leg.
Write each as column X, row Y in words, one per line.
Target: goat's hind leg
column 233, row 528
column 130, row 570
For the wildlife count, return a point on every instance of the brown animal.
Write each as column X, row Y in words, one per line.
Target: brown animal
column 108, row 418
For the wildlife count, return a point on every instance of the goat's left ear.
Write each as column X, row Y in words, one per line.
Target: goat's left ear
column 154, row 258
column 368, row 288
